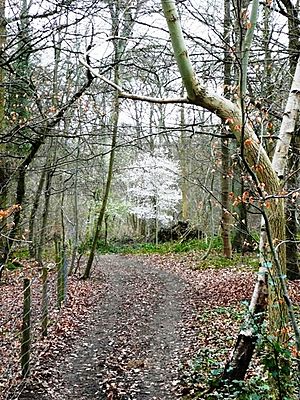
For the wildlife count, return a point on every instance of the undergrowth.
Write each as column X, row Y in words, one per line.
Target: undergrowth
column 201, row 377
column 173, row 247
column 161, row 248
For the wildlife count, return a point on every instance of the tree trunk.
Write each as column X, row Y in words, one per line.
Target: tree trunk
column 20, row 194
column 3, row 168
column 106, row 218
column 240, row 358
column 258, row 162
column 101, row 215
column 241, row 239
column 4, row 175
column 47, row 195
column 280, row 160
column 119, row 49
column 35, row 205
column 183, row 166
column 225, row 153
column 292, row 253
column 76, row 220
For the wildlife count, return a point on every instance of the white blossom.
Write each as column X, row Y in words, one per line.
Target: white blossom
column 152, row 187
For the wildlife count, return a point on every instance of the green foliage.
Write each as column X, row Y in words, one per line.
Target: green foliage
column 84, row 247
column 205, row 373
column 22, row 253
column 195, row 246
column 162, row 248
column 165, row 248
column 232, row 313
column 280, row 365
column 274, row 365
column 12, row 266
column 215, row 260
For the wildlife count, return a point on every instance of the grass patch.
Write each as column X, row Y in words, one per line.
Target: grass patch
column 218, row 261
column 161, row 248
column 195, row 247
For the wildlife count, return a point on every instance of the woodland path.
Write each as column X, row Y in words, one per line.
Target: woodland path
column 141, row 330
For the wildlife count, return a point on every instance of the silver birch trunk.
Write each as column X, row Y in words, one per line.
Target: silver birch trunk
column 288, row 126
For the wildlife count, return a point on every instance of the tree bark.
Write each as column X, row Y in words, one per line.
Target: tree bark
column 76, row 219
column 35, row 205
column 3, row 167
column 225, row 152
column 183, row 166
column 241, row 355
column 119, row 48
column 288, row 125
column 101, row 215
column 292, row 253
column 258, row 162
column 47, row 196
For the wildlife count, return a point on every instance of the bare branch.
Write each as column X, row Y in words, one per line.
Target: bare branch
column 126, row 95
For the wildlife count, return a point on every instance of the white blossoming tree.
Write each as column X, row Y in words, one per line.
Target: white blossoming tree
column 152, row 187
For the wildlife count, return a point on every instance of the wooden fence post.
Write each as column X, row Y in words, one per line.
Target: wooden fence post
column 26, row 329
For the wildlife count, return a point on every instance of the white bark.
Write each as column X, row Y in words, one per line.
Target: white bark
column 288, row 125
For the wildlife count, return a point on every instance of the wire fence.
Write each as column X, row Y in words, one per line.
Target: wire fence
column 30, row 298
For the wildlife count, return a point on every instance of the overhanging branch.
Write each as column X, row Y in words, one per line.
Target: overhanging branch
column 131, row 96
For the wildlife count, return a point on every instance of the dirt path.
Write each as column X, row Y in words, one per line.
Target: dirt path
column 140, row 332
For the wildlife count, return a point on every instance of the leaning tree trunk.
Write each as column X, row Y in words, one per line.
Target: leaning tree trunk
column 101, row 215
column 119, row 49
column 264, row 173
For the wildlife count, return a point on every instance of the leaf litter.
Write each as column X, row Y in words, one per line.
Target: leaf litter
column 134, row 329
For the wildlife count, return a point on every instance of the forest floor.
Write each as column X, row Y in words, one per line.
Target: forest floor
column 148, row 318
